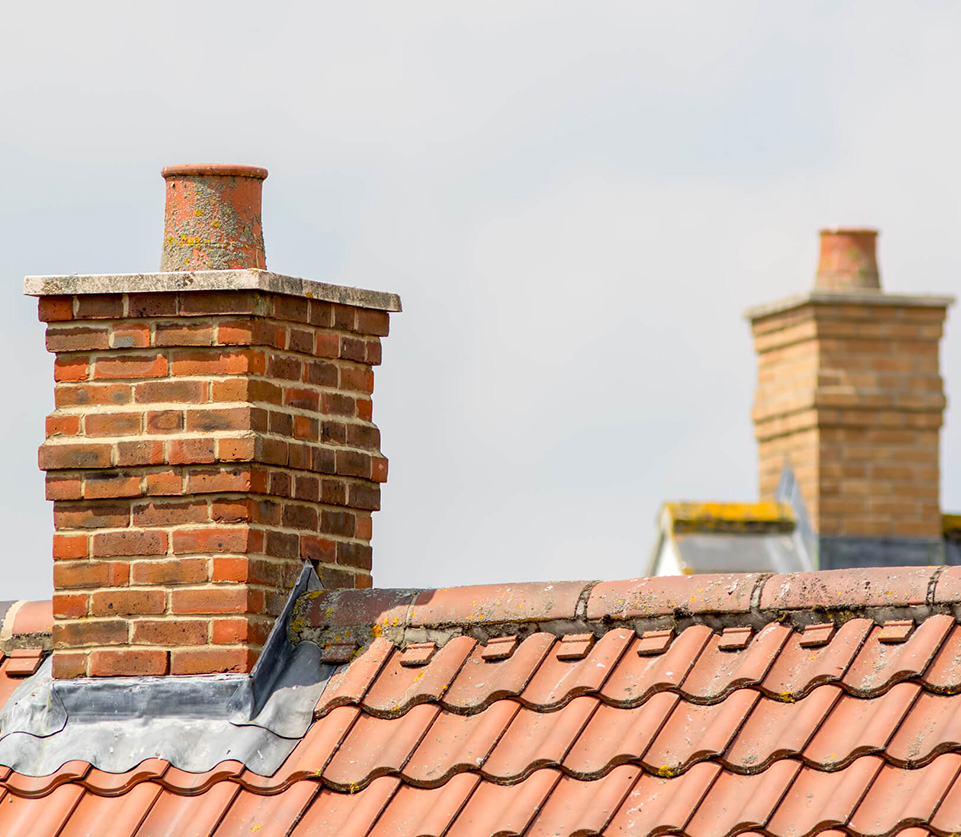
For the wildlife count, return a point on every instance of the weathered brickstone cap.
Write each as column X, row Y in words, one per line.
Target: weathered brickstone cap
column 343, row 620
column 755, row 312
column 209, row 280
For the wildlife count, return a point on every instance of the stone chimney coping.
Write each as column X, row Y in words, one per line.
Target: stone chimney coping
column 755, row 312
column 208, row 280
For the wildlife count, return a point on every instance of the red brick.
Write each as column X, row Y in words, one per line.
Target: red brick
column 297, row 516
column 169, row 512
column 239, row 630
column 76, row 338
column 373, row 322
column 300, row 340
column 345, row 317
column 164, row 421
column 91, row 515
column 93, row 395
column 60, row 487
column 306, row 428
column 127, row 602
column 218, row 539
column 226, row 418
column 198, row 303
column 327, row 345
column 58, row 424
column 67, row 547
column 230, row 568
column 243, row 449
column 353, row 464
column 110, row 484
column 218, row 362
column 335, row 404
column 74, row 634
column 130, row 366
column 212, row 660
column 365, row 527
column 231, row 509
column 69, row 605
column 321, row 313
column 351, row 348
column 86, row 574
column 333, row 492
column 226, row 479
column 365, row 409
column 364, row 436
column 197, row 451
column 69, row 456
column 238, row 333
column 319, row 550
column 129, row 662
column 113, row 424
column 153, row 305
column 184, row 334
column 170, row 632
column 140, row 452
column 292, row 308
column 71, row 368
column 129, row 543
column 231, row 599
column 374, row 352
column 338, row 523
column 53, row 309
column 285, row 367
column 378, row 469
column 357, row 555
column 357, row 379
column 127, row 335
column 176, row 392
column 66, row 665
column 302, row 399
column 164, row 483
column 99, row 307
column 169, row 571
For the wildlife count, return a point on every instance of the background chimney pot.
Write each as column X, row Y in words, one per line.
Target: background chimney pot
column 212, row 218
column 848, row 261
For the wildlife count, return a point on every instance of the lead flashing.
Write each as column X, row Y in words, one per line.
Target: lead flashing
column 208, row 280
column 755, row 312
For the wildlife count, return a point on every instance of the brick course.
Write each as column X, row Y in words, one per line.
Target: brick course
column 202, row 446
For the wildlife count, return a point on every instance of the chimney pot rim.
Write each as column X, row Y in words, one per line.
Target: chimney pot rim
column 213, row 170
column 849, row 231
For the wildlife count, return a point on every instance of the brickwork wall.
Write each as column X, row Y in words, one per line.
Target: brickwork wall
column 851, row 395
column 202, row 446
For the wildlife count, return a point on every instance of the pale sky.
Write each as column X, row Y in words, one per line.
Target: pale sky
column 575, row 202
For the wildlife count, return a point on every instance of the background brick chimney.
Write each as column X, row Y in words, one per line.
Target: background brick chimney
column 850, row 395
column 213, row 428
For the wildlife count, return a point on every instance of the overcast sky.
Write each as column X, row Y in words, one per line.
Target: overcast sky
column 575, row 202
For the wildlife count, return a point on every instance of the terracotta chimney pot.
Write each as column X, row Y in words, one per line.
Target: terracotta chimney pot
column 212, row 218
column 848, row 261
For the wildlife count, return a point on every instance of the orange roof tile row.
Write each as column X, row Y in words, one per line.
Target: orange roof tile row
column 789, row 800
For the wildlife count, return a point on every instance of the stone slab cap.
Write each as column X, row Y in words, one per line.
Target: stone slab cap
column 766, row 309
column 208, row 280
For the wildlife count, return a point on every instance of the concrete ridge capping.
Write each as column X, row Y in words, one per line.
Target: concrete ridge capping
column 354, row 617
column 208, row 280
column 847, row 298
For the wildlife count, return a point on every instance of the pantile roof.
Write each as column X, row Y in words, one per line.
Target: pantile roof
column 818, row 703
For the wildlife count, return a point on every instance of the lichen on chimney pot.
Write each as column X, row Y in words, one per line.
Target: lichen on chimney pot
column 212, row 218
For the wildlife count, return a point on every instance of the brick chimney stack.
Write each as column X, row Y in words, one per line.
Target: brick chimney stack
column 213, row 429
column 850, row 396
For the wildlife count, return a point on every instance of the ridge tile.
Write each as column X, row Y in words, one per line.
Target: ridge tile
column 839, row 589
column 496, row 603
column 640, row 598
